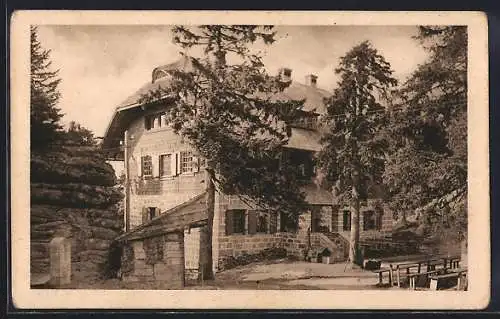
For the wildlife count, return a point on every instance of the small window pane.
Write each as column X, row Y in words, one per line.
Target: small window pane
column 186, row 162
column 147, row 165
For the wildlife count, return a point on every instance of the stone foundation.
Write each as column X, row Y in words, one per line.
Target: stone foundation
column 158, row 260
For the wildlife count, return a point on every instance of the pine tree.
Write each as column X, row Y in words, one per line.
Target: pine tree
column 79, row 135
column 44, row 114
column 352, row 156
column 227, row 113
column 427, row 165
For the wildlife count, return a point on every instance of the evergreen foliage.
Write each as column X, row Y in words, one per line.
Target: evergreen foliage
column 226, row 111
column 354, row 147
column 427, row 165
column 44, row 114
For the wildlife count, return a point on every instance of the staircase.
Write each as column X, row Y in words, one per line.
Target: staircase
column 336, row 243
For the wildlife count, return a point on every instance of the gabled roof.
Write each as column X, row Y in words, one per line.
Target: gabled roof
column 130, row 108
column 191, row 213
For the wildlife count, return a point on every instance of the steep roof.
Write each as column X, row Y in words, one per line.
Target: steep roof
column 126, row 111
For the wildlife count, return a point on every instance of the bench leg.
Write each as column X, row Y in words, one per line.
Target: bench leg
column 434, row 284
column 398, row 278
column 459, row 282
column 380, row 278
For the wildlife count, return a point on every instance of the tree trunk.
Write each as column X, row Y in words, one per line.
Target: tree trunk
column 354, row 238
column 208, row 272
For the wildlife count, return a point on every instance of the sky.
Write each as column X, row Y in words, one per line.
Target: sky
column 100, row 66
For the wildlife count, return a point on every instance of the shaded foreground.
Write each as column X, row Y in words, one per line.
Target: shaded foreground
column 281, row 274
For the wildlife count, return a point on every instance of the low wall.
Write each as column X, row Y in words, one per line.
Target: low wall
column 90, row 231
column 158, row 261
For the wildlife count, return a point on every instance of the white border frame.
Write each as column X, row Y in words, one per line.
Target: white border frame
column 476, row 297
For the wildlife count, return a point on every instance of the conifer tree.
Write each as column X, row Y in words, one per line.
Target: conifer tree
column 352, row 156
column 44, row 113
column 427, row 165
column 226, row 111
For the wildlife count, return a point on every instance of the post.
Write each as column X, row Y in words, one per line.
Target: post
column 60, row 261
column 127, row 182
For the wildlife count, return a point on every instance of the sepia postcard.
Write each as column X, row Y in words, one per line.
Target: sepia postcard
column 249, row 160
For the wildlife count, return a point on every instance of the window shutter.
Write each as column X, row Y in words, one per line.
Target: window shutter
column 273, row 223
column 252, row 222
column 139, row 166
column 156, row 166
column 157, row 211
column 177, row 163
column 145, row 215
column 229, row 222
column 379, row 220
column 173, row 164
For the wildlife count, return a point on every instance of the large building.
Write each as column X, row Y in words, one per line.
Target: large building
column 164, row 177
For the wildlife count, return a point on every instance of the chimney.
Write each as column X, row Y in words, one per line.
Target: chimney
column 311, row 80
column 285, row 74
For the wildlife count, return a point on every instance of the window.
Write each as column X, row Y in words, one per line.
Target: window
column 166, row 165
column 369, row 220
column 288, row 223
column 262, row 222
column 148, row 213
column 147, row 165
column 235, row 221
column 257, row 222
column 151, row 212
column 346, row 225
column 187, row 162
column 154, row 121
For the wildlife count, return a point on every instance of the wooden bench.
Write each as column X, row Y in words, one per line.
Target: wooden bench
column 413, row 277
column 380, row 273
column 407, row 267
column 458, row 273
column 451, row 262
column 430, row 266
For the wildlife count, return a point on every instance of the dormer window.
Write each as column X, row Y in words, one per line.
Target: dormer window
column 154, row 121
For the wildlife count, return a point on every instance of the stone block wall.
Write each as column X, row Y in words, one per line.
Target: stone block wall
column 90, row 231
column 386, row 227
column 236, row 245
column 158, row 260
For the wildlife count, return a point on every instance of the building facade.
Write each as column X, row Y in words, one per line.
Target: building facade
column 163, row 172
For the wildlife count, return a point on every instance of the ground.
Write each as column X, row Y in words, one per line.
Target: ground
column 277, row 274
column 285, row 274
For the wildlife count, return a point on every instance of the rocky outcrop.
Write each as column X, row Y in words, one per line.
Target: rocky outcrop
column 65, row 201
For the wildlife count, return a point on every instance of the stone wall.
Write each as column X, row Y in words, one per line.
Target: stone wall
column 156, row 191
column 91, row 232
column 235, row 245
column 158, row 261
column 74, row 195
column 386, row 227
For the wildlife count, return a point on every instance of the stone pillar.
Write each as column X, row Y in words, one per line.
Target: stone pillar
column 60, row 261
